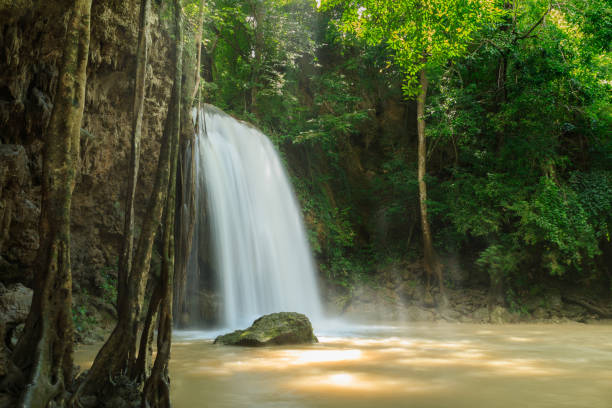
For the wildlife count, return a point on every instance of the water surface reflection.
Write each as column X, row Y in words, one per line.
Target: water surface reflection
column 408, row 366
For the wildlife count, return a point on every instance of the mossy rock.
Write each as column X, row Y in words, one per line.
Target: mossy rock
column 273, row 329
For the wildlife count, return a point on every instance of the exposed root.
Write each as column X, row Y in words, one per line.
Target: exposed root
column 601, row 312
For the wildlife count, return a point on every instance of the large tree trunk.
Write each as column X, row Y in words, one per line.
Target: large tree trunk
column 125, row 261
column 432, row 264
column 44, row 352
column 118, row 354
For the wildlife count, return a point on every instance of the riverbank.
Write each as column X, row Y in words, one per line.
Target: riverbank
column 399, row 293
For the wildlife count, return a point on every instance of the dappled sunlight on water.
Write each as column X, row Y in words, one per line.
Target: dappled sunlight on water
column 357, row 383
column 411, row 366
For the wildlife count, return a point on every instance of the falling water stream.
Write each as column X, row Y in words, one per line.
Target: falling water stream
column 260, row 254
column 263, row 264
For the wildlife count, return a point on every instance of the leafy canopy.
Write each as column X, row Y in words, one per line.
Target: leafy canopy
column 421, row 33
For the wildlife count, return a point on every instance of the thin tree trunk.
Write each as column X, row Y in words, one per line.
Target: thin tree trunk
column 125, row 261
column 186, row 219
column 198, row 44
column 156, row 392
column 119, row 349
column 210, row 72
column 44, row 351
column 256, row 67
column 118, row 354
column 145, row 353
column 432, row 265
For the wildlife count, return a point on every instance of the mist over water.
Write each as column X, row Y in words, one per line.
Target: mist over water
column 260, row 251
column 407, row 365
column 430, row 365
column 263, row 265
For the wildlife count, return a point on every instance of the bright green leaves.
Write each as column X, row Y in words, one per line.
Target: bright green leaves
column 518, row 123
column 420, row 33
column 594, row 19
column 526, row 118
column 555, row 220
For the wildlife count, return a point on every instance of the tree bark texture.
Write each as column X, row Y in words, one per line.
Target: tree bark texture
column 432, row 264
column 44, row 352
column 186, row 223
column 125, row 260
column 145, row 353
column 198, row 44
column 118, row 354
column 156, row 391
column 186, row 168
column 257, row 11
column 157, row 387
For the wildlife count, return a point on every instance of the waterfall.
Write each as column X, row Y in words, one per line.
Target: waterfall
column 259, row 252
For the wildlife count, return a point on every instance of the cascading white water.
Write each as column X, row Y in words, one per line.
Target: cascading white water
column 259, row 246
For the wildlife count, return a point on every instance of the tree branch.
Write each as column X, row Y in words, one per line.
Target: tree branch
column 537, row 23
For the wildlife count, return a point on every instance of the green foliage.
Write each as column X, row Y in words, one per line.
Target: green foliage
column 519, row 116
column 499, row 261
column 330, row 231
column 109, row 284
column 515, row 305
column 82, row 318
column 255, row 47
column 529, row 182
column 421, row 34
column 339, row 115
column 554, row 218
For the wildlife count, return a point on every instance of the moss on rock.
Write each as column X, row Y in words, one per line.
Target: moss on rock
column 273, row 329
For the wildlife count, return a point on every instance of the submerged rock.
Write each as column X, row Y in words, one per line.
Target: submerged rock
column 272, row 329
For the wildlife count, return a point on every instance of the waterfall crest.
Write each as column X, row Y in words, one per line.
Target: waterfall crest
column 259, row 251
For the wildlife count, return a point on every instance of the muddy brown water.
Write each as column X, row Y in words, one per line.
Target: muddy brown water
column 416, row 365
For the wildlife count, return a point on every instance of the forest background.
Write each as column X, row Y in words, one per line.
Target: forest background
column 519, row 144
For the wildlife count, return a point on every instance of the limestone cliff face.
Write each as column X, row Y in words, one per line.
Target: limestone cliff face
column 31, row 38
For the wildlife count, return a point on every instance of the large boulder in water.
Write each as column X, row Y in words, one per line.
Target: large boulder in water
column 272, row 329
